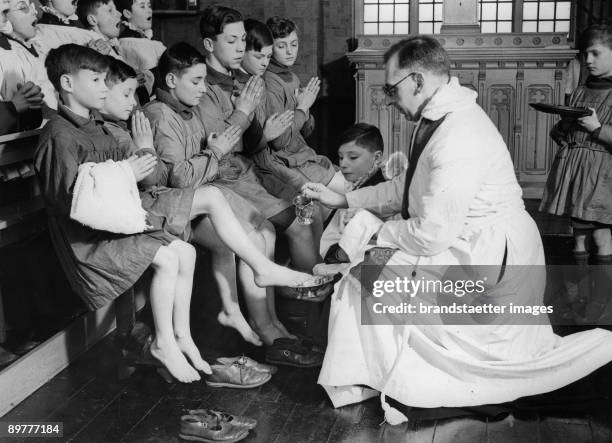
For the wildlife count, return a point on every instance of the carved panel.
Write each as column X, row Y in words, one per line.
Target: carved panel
column 536, row 146
column 467, row 79
column 500, row 107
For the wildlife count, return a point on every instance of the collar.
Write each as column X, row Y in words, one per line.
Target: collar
column 110, row 119
column 450, row 97
column 77, row 120
column 136, row 32
column 114, row 42
column 27, row 47
column 186, row 112
column 284, row 72
column 62, row 18
column 214, row 77
column 599, row 82
column 241, row 76
column 4, row 42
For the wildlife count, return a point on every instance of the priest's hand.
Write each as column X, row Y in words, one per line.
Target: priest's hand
column 277, row 124
column 28, row 96
column 323, row 194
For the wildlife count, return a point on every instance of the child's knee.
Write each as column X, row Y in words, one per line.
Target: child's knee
column 206, row 198
column 299, row 232
column 602, row 237
column 166, row 260
column 185, row 251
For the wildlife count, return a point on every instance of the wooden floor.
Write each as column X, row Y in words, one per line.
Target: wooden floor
column 95, row 407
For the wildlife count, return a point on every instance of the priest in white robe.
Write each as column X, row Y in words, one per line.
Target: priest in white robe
column 461, row 205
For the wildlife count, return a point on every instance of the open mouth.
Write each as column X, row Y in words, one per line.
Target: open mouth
column 149, row 18
column 35, row 22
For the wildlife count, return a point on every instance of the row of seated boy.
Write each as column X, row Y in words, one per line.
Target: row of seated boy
column 218, row 154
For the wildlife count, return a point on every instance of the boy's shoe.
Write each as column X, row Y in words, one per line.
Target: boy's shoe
column 236, row 420
column 249, row 363
column 236, row 375
column 199, row 428
column 290, row 352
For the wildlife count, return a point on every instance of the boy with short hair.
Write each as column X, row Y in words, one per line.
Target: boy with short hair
column 102, row 17
column 101, row 265
column 193, row 156
column 284, row 93
column 223, row 33
column 135, row 38
column 360, row 154
column 60, row 13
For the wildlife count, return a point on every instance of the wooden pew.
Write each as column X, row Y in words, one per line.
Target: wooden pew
column 22, row 217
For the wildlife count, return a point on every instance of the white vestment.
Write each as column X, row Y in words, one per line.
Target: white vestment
column 18, row 66
column 465, row 208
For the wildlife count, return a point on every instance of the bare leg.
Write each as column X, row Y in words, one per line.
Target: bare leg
column 256, row 298
column 269, row 238
column 182, row 301
column 224, row 273
column 209, row 200
column 164, row 347
column 302, row 247
column 603, row 241
column 580, row 237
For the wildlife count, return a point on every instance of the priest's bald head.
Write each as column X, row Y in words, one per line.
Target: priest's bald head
column 414, row 70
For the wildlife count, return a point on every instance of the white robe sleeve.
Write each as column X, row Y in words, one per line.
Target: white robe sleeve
column 141, row 53
column 454, row 173
column 17, row 67
column 53, row 36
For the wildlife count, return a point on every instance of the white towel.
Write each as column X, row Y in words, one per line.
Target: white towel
column 358, row 232
column 106, row 198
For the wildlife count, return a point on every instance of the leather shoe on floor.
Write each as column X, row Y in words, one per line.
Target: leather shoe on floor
column 249, row 363
column 198, row 428
column 290, row 352
column 236, row 420
column 236, row 375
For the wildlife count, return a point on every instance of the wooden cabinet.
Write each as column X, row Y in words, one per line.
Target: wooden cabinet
column 508, row 71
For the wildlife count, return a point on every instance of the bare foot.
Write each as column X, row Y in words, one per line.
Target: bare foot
column 238, row 322
column 189, row 348
column 169, row 354
column 275, row 275
column 268, row 333
column 281, row 327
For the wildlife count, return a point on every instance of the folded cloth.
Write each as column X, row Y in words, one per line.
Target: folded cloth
column 358, row 233
column 106, row 198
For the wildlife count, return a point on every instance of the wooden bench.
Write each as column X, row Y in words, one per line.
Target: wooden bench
column 24, row 217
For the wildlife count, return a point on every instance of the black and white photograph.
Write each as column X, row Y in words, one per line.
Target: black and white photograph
column 291, row 221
